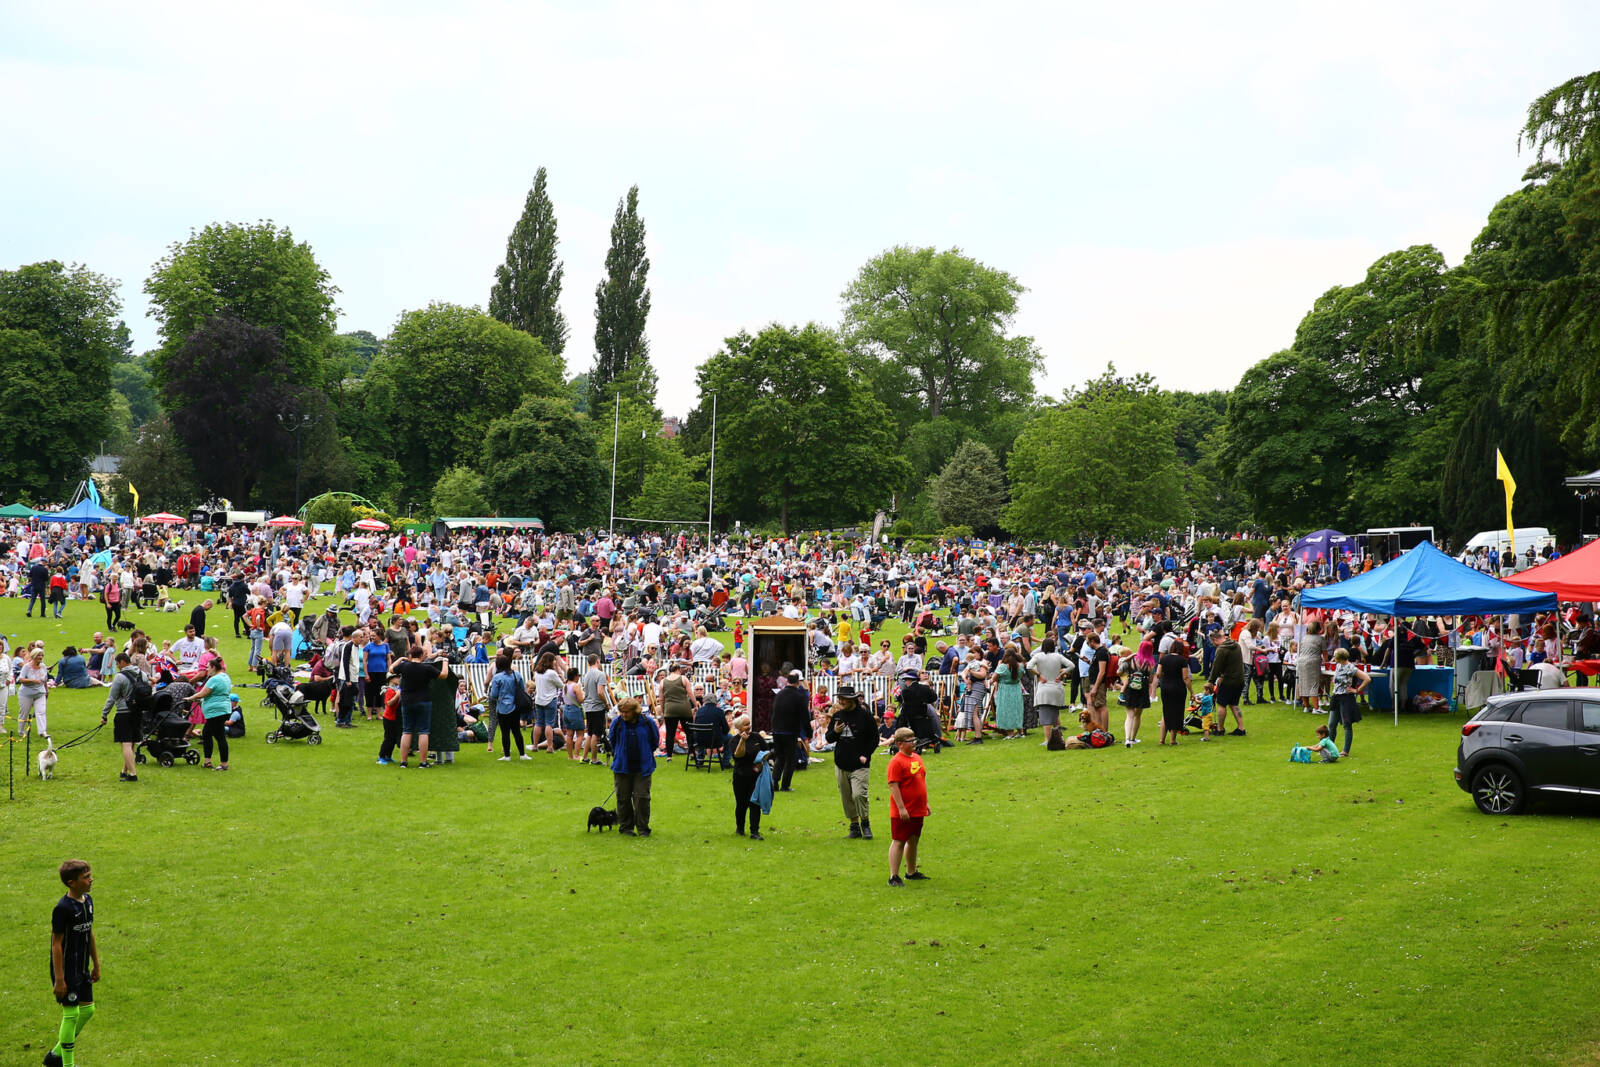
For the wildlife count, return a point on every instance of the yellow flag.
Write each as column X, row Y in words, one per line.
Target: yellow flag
column 135, row 493
column 1503, row 473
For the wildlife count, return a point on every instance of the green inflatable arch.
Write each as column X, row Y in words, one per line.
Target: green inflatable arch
column 354, row 498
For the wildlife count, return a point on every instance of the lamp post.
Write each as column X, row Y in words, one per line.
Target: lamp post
column 295, row 424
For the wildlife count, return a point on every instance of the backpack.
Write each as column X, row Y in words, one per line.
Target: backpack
column 522, row 702
column 140, row 693
column 1058, row 742
column 1100, row 739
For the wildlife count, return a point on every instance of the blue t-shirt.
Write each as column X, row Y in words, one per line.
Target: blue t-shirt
column 216, row 703
column 377, row 657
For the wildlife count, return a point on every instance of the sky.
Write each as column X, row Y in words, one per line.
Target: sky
column 1174, row 184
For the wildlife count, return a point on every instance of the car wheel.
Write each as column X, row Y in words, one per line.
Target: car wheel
column 1498, row 790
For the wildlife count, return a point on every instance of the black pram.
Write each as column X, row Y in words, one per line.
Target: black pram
column 295, row 721
column 166, row 727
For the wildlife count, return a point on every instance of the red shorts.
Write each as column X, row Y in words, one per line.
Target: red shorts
column 905, row 829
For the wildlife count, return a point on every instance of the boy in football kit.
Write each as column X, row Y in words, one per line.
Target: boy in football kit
column 74, row 960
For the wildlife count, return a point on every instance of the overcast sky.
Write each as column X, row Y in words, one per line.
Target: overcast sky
column 1173, row 183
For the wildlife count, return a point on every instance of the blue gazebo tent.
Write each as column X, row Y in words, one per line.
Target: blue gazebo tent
column 1425, row 581
column 84, row 510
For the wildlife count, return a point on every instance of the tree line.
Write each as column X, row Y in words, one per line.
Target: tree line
column 921, row 401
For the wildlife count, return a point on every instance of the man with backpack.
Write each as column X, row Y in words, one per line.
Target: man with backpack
column 129, row 694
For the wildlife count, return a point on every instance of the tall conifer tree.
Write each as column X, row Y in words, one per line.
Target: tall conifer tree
column 622, row 303
column 527, row 286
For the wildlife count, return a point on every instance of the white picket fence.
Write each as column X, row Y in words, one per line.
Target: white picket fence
column 874, row 689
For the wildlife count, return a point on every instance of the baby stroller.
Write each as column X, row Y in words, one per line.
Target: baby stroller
column 166, row 728
column 295, row 721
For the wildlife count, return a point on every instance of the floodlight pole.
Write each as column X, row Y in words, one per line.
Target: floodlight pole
column 711, row 492
column 616, row 423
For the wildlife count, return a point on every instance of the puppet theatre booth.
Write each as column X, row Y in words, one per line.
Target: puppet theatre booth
column 1424, row 581
column 776, row 644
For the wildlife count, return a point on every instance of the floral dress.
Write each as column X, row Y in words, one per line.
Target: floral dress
column 1008, row 698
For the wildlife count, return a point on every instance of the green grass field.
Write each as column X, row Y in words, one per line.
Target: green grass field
column 1147, row 906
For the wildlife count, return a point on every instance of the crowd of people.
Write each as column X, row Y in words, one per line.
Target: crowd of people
column 994, row 639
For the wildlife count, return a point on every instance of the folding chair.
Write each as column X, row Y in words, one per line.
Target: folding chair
column 705, row 745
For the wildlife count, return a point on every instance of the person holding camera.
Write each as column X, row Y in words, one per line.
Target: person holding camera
column 854, row 735
column 416, row 677
column 745, row 747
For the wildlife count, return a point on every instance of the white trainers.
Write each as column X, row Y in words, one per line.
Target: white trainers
column 524, row 756
column 506, row 759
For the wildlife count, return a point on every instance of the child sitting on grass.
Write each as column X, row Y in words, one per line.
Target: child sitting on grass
column 1324, row 746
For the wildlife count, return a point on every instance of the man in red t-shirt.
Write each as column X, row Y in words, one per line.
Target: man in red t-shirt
column 908, row 805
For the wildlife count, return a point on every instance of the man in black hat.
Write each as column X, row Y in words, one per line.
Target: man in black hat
column 854, row 735
column 791, row 719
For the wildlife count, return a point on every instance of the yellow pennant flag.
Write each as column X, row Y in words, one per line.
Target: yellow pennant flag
column 135, row 493
column 1503, row 473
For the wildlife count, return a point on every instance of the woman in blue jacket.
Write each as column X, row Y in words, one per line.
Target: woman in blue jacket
column 502, row 700
column 634, row 738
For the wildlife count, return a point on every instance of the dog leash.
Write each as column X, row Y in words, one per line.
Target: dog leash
column 81, row 738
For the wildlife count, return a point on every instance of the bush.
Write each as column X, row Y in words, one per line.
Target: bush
column 1208, row 547
column 956, row 533
column 918, row 548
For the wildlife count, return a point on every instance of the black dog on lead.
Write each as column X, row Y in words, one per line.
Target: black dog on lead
column 317, row 694
column 599, row 816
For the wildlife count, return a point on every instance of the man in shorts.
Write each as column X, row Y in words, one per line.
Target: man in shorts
column 416, row 706
column 125, row 725
column 908, row 806
column 74, row 960
column 596, row 689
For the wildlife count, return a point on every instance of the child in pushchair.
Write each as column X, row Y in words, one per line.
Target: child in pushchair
column 295, row 721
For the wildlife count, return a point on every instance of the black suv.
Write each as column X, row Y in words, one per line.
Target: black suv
column 1545, row 740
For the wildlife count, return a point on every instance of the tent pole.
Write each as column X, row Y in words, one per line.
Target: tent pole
column 1394, row 674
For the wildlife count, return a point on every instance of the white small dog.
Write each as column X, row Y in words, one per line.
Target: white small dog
column 47, row 760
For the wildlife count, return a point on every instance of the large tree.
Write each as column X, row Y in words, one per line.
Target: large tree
column 225, row 388
column 157, row 466
column 527, row 286
column 801, row 437
column 256, row 274
column 673, row 490
column 970, row 490
column 540, row 461
column 60, row 333
column 942, row 319
column 1316, row 435
column 446, row 373
column 1102, row 463
column 622, row 304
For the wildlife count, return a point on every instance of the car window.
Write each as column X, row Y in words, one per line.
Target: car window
column 1505, row 712
column 1589, row 716
column 1551, row 714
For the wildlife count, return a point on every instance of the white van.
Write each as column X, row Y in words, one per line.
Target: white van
column 1536, row 537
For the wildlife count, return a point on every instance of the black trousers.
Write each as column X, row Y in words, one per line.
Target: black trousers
column 510, row 726
column 785, row 757
column 743, row 786
column 238, row 618
column 391, row 738
column 215, row 729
